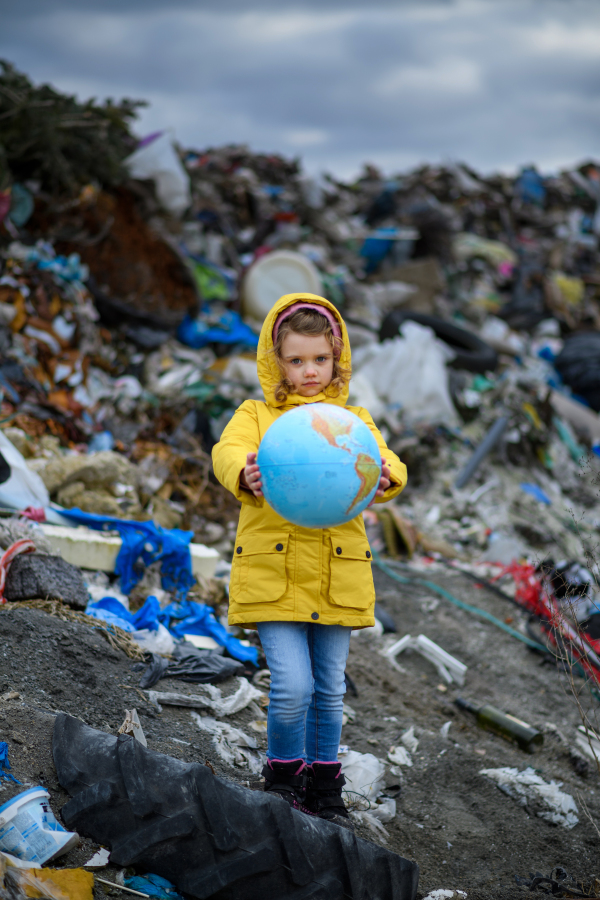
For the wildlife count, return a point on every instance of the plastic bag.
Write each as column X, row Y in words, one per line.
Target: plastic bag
column 158, row 641
column 149, row 542
column 19, row 486
column 409, row 372
column 364, row 776
column 543, row 798
column 156, row 159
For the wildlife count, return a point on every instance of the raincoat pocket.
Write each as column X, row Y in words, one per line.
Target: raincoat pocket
column 258, row 572
column 351, row 581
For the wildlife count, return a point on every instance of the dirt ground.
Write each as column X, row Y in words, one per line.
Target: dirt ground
column 460, row 828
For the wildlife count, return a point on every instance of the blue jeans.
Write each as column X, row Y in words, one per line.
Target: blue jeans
column 307, row 664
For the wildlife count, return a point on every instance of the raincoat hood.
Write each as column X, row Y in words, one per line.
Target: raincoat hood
column 269, row 373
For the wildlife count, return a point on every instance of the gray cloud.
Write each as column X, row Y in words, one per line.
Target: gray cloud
column 493, row 82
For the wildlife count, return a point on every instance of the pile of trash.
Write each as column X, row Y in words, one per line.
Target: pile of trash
column 134, row 279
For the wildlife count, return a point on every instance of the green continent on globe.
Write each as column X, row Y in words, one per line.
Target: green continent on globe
column 368, row 472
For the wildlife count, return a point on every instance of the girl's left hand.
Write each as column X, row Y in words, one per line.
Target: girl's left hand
column 384, row 481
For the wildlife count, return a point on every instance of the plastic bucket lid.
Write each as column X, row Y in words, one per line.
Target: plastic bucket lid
column 277, row 273
column 13, row 805
column 29, row 829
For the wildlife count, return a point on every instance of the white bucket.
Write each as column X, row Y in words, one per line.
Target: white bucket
column 275, row 274
column 29, row 830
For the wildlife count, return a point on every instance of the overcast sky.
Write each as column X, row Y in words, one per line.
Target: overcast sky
column 496, row 83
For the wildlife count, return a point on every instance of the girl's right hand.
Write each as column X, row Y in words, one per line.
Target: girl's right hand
column 250, row 476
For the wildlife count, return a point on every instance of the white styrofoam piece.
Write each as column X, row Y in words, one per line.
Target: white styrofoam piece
column 97, row 551
column 201, row 641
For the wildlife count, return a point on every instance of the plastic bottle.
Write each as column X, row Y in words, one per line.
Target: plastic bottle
column 505, row 725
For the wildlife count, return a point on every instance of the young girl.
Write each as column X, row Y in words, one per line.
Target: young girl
column 304, row 589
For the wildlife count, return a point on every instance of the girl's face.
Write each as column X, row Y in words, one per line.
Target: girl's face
column 307, row 362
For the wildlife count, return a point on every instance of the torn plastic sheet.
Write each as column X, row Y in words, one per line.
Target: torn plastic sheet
column 409, row 740
column 149, row 542
column 191, row 664
column 366, row 817
column 214, row 700
column 400, row 756
column 187, row 617
column 544, row 799
column 233, row 746
column 364, row 777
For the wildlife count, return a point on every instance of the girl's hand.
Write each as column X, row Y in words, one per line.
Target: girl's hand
column 250, row 476
column 384, row 481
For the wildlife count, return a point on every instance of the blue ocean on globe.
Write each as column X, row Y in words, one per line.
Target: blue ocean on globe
column 320, row 465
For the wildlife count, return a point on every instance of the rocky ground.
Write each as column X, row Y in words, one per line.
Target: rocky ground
column 461, row 829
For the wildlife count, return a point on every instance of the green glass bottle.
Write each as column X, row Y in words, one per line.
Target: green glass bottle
column 507, row 726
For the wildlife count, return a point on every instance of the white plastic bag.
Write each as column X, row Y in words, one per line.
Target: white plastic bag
column 364, row 776
column 543, row 798
column 409, row 372
column 158, row 160
column 23, row 487
column 159, row 641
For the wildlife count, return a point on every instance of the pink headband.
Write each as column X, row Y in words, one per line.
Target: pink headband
column 303, row 304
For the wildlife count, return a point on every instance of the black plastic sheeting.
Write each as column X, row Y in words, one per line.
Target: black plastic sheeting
column 211, row 837
column 191, row 664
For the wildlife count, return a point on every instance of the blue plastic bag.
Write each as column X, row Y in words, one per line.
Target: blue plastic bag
column 187, row 617
column 197, row 618
column 148, row 542
column 154, row 886
column 536, row 492
column 230, row 330
column 112, row 611
column 5, row 764
column 377, row 247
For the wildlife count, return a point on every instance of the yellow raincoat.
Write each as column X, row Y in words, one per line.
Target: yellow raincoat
column 282, row 572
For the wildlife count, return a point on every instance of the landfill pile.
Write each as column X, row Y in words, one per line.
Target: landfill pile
column 134, row 278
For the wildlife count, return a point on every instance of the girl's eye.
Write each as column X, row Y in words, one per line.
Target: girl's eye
column 295, row 361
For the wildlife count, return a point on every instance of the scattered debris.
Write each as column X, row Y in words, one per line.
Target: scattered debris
column 541, row 798
column 449, row 668
column 133, row 727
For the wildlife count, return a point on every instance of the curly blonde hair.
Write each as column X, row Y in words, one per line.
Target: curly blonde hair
column 311, row 323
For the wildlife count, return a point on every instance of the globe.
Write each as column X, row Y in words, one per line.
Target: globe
column 320, row 465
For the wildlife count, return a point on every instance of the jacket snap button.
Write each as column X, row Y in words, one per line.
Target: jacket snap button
column 338, row 550
column 279, row 547
column 314, row 615
column 368, row 554
column 239, row 550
